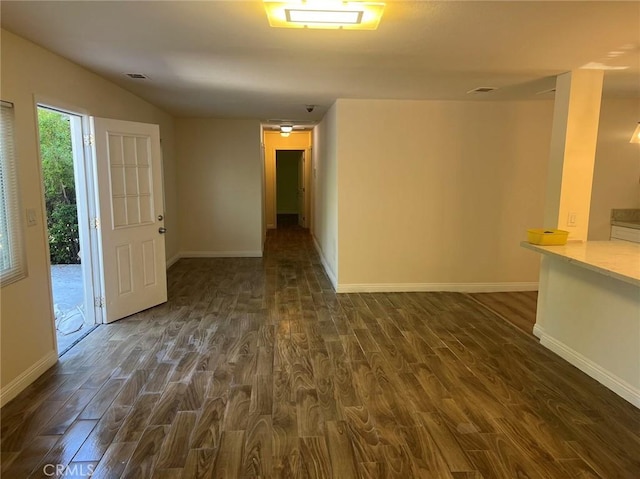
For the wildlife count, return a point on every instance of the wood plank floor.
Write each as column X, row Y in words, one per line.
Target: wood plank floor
column 255, row 368
column 518, row 307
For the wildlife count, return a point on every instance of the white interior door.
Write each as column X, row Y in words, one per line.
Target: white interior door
column 301, row 195
column 131, row 228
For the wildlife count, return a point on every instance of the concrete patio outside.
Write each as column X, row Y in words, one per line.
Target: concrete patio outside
column 68, row 304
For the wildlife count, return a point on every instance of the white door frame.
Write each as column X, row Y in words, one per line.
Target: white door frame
column 302, row 174
column 86, row 206
column 92, row 216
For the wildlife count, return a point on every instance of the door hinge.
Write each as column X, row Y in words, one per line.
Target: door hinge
column 95, row 223
column 89, row 140
column 98, row 302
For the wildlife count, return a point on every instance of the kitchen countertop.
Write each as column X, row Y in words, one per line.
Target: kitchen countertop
column 627, row 218
column 617, row 259
column 626, row 224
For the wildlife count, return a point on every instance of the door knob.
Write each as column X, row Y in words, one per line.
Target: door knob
column 162, row 230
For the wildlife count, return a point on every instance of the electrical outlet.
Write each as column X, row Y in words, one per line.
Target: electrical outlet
column 572, row 218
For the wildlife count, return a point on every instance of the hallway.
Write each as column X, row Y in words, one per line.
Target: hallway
column 256, row 368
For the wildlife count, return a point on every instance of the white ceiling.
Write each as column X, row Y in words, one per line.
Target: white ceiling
column 221, row 58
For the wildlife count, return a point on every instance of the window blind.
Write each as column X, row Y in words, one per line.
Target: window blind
column 12, row 258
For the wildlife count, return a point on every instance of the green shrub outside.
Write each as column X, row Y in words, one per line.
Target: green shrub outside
column 59, row 187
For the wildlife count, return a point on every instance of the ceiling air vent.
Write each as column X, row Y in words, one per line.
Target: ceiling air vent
column 482, row 89
column 137, row 76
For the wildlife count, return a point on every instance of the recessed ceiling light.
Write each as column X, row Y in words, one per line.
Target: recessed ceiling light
column 328, row 14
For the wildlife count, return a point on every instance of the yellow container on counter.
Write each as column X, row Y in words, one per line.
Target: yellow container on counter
column 547, row 237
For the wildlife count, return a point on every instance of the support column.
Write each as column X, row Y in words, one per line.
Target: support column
column 573, row 150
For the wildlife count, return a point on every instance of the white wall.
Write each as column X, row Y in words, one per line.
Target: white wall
column 28, row 71
column 220, row 187
column 616, row 177
column 438, row 195
column 325, row 186
column 605, row 341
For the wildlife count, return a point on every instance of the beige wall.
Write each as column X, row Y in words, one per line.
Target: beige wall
column 28, row 72
column 298, row 140
column 616, row 177
column 325, row 187
column 220, row 187
column 439, row 193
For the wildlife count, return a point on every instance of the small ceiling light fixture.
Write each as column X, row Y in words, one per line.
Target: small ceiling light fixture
column 286, row 129
column 636, row 135
column 327, row 14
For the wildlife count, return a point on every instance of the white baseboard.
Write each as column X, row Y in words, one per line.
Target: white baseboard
column 424, row 287
column 173, row 260
column 537, row 331
column 325, row 264
column 20, row 383
column 597, row 372
column 221, row 254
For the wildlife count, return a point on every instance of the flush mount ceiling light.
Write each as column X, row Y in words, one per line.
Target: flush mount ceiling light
column 327, row 14
column 285, row 130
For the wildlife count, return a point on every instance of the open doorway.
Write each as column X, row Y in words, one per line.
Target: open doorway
column 290, row 190
column 65, row 196
column 275, row 143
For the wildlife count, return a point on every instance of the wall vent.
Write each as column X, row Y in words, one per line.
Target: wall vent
column 137, row 76
column 482, row 89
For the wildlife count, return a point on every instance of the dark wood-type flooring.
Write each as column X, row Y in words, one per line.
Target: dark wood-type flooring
column 286, row 220
column 518, row 308
column 255, row 368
